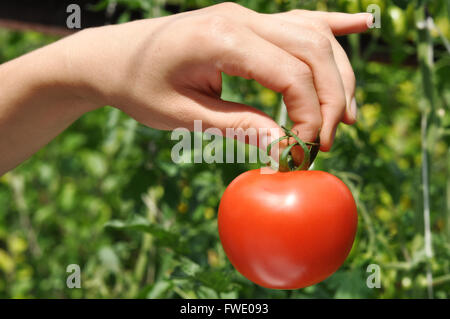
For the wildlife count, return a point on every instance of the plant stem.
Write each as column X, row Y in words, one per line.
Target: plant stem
column 425, row 55
column 441, row 280
column 426, row 202
column 448, row 196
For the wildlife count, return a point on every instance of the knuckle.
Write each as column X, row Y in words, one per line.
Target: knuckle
column 321, row 43
column 229, row 6
column 297, row 74
column 228, row 41
column 297, row 12
column 318, row 24
column 220, row 30
column 321, row 25
column 301, row 70
column 217, row 22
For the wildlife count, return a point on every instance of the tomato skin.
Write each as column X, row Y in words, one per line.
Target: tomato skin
column 287, row 230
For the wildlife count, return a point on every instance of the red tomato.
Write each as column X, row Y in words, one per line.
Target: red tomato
column 287, row 230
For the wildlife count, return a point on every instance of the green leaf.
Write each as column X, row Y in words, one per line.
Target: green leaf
column 189, row 267
column 165, row 238
column 348, row 285
column 215, row 279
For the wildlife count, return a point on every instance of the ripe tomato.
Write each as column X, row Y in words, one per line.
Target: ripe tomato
column 287, row 230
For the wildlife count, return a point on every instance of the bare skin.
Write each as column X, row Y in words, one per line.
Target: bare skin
column 166, row 73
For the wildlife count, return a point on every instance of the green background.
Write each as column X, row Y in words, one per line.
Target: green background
column 105, row 194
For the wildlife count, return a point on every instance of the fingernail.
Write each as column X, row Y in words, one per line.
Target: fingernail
column 354, row 108
column 369, row 18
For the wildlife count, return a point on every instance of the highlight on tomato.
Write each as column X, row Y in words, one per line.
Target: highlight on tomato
column 290, row 229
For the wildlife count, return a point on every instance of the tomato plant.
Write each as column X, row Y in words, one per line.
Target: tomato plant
column 287, row 230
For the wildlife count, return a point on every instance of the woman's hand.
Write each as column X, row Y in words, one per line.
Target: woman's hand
column 166, row 72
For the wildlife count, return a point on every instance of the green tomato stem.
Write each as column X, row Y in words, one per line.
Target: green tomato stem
column 286, row 164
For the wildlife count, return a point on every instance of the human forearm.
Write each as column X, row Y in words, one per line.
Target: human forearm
column 37, row 102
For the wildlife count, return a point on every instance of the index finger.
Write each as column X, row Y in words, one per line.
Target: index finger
column 343, row 23
column 254, row 57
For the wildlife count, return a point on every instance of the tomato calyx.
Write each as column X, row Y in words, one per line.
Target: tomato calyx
column 287, row 163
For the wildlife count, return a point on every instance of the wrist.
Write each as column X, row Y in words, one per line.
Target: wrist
column 103, row 64
column 61, row 59
column 92, row 65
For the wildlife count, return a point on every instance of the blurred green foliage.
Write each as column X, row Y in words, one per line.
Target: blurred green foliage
column 106, row 195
